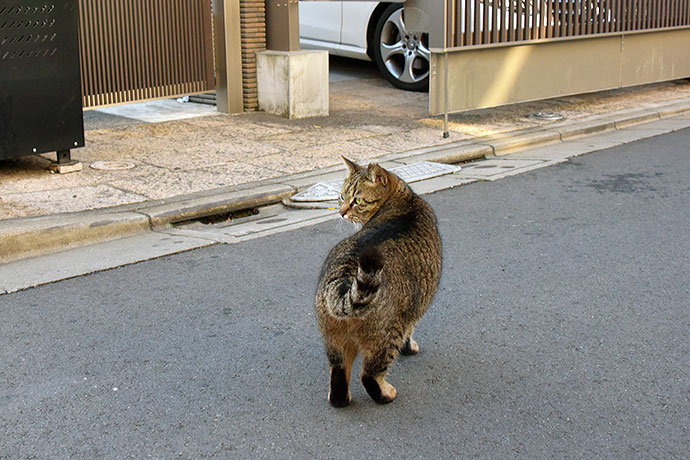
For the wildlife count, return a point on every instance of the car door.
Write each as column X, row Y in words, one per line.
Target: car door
column 355, row 20
column 320, row 20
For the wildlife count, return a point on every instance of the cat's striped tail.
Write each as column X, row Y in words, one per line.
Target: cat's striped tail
column 358, row 295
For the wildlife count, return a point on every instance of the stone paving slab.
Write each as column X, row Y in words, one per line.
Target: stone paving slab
column 189, row 167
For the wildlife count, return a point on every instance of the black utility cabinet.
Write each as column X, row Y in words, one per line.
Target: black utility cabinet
column 40, row 86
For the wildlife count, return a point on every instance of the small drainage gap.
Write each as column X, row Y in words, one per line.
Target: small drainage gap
column 219, row 218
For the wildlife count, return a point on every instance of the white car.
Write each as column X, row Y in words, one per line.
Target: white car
column 371, row 31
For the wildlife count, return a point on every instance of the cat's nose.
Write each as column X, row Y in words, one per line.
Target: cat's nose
column 343, row 211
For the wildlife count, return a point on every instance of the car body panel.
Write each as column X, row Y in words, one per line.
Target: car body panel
column 320, row 21
column 339, row 27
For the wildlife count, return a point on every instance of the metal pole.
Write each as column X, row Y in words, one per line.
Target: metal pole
column 446, row 134
column 228, row 49
column 282, row 25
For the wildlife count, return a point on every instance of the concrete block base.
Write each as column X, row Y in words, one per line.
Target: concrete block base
column 65, row 168
column 293, row 84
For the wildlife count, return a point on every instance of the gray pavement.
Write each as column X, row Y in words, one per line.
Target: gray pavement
column 213, row 163
column 146, row 243
column 560, row 331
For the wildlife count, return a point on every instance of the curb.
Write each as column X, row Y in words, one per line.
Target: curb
column 33, row 236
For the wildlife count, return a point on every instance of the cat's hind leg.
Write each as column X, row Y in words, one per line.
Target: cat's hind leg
column 374, row 369
column 409, row 347
column 341, row 368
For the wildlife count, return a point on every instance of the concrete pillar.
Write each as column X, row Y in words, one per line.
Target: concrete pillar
column 293, row 84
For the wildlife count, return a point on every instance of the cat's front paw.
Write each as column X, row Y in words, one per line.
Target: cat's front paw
column 380, row 391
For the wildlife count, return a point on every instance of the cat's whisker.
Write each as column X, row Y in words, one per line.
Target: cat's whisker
column 348, row 227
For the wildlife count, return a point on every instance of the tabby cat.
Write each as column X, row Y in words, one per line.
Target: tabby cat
column 375, row 285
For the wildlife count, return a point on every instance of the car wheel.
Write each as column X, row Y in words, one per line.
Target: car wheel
column 402, row 56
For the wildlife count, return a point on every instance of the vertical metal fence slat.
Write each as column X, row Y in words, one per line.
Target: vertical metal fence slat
column 198, row 53
column 579, row 18
column 511, row 20
column 95, row 62
column 640, row 11
column 453, row 30
column 116, row 53
column 101, row 53
column 674, row 17
column 154, row 25
column 671, row 11
column 469, row 26
column 188, row 70
column 83, row 57
column 200, row 48
column 137, row 37
column 178, row 73
column 476, row 22
column 485, row 21
column 109, row 53
column 120, row 55
column 128, row 47
column 170, row 58
column 495, row 35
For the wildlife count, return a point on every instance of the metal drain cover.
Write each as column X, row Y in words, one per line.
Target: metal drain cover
column 545, row 116
column 328, row 191
column 112, row 165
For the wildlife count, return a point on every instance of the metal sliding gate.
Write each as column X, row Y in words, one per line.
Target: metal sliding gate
column 133, row 50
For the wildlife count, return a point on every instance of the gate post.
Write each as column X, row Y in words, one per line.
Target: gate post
column 290, row 82
column 432, row 16
column 282, row 25
column 228, row 45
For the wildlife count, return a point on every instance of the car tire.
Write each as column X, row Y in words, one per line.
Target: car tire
column 402, row 56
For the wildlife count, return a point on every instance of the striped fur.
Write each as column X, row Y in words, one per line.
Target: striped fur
column 376, row 284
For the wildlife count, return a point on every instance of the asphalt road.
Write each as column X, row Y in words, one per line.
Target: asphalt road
column 561, row 330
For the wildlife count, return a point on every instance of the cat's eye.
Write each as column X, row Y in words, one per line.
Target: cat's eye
column 341, row 197
column 358, row 201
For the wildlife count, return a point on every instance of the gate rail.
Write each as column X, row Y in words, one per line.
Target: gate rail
column 482, row 22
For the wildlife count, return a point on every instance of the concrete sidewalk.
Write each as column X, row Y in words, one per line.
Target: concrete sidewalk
column 209, row 163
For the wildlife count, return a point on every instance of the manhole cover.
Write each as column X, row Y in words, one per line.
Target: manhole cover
column 112, row 165
column 545, row 116
column 328, row 191
column 493, row 169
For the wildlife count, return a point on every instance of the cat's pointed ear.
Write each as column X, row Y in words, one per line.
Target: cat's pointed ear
column 351, row 165
column 377, row 174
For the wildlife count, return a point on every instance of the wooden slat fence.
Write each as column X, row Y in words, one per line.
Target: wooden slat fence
column 135, row 50
column 481, row 22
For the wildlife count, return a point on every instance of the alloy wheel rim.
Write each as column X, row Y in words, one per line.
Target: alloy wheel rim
column 404, row 53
